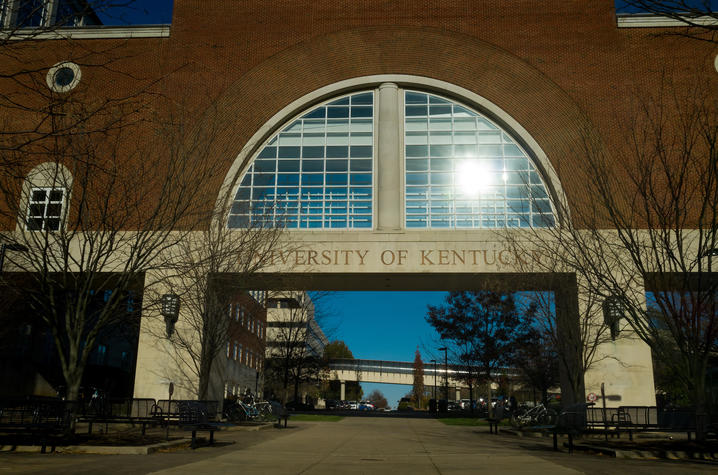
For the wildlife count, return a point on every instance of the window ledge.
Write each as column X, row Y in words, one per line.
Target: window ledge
column 649, row 20
column 88, row 33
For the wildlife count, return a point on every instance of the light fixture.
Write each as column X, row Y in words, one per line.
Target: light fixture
column 170, row 304
column 612, row 314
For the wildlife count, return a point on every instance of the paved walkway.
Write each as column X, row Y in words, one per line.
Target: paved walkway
column 407, row 446
column 355, row 445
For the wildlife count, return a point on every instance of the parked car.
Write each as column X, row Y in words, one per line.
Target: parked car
column 366, row 406
column 332, row 404
column 353, row 405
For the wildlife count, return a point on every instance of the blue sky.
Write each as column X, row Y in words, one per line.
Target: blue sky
column 139, row 12
column 384, row 326
column 143, row 12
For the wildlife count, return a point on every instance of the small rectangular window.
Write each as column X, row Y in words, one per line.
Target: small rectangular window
column 45, row 209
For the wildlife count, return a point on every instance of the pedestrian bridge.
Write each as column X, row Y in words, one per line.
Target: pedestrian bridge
column 401, row 372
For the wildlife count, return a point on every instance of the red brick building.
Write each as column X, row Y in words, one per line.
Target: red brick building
column 222, row 84
column 247, row 341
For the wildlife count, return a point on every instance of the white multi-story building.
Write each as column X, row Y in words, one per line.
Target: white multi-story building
column 292, row 326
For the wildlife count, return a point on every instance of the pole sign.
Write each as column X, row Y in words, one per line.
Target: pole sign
column 592, row 397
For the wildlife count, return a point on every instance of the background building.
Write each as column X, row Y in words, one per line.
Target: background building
column 246, row 345
column 295, row 344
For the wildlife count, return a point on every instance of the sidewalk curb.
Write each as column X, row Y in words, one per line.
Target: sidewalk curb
column 648, row 454
column 633, row 454
column 252, row 428
column 522, row 433
column 95, row 449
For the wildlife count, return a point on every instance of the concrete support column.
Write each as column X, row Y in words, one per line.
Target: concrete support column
column 623, row 365
column 458, row 394
column 157, row 364
column 388, row 160
column 343, row 392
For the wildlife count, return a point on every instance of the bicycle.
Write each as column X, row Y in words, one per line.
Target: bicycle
column 538, row 415
column 238, row 411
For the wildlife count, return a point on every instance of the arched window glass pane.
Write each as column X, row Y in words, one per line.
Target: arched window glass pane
column 316, row 172
column 463, row 171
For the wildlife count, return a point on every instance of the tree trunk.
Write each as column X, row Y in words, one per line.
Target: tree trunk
column 491, row 407
column 285, row 383
column 699, row 397
column 73, row 380
column 471, row 398
column 204, row 372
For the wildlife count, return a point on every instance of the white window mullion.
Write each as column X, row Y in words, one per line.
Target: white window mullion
column 49, row 12
column 388, row 163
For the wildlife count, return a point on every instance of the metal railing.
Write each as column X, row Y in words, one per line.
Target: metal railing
column 404, row 367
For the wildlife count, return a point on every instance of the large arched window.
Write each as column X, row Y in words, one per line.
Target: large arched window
column 316, row 172
column 342, row 165
column 464, row 171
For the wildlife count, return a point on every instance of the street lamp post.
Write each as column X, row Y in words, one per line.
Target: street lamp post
column 9, row 247
column 446, row 373
column 435, row 405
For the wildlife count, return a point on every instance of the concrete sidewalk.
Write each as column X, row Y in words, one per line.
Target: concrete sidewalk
column 354, row 445
column 399, row 446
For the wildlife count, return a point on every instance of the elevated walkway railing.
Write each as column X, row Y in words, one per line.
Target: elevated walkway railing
column 404, row 367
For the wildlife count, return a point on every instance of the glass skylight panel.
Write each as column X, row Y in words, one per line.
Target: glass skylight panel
column 463, row 171
column 317, row 172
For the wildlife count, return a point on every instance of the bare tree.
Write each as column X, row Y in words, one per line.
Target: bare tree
column 31, row 89
column 111, row 196
column 207, row 269
column 293, row 324
column 575, row 329
column 538, row 360
column 650, row 225
column 700, row 17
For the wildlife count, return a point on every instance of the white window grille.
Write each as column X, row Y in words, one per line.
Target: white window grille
column 45, row 209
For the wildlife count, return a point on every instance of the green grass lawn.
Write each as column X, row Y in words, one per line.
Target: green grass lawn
column 315, row 417
column 468, row 421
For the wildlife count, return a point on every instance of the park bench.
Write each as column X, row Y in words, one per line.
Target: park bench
column 582, row 419
column 572, row 422
column 496, row 419
column 41, row 419
column 194, row 416
column 280, row 412
column 169, row 411
column 119, row 411
column 632, row 419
